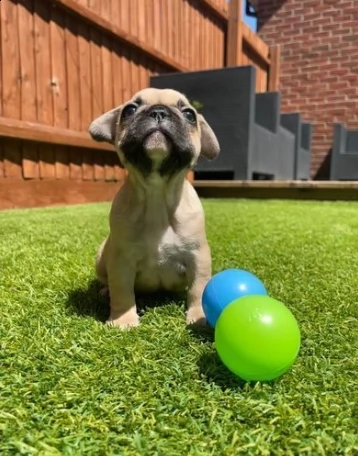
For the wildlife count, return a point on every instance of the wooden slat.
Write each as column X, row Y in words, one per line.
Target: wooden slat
column 62, row 168
column 43, row 83
column 186, row 34
column 98, row 167
column 197, row 39
column 96, row 73
column 202, row 42
column 255, row 43
column 142, row 35
column 59, row 87
column 58, row 66
column 97, row 105
column 170, row 22
column 109, row 161
column 72, row 74
column 85, row 89
column 47, row 161
column 28, row 84
column 133, row 53
column 12, row 152
column 126, row 75
column 11, row 84
column 133, row 18
column 116, row 79
column 11, row 79
column 12, row 128
column 124, row 15
column 115, row 12
column 1, row 95
column 27, row 61
column 192, row 44
column 106, row 9
column 156, row 24
column 95, row 6
column 166, row 30
column 107, row 74
column 97, row 95
column 96, row 160
column 213, row 8
column 87, row 165
column 176, row 28
column 75, row 157
column 18, row 193
column 234, row 35
column 143, row 73
column 208, row 47
column 274, row 71
column 30, row 161
column 85, row 92
column 2, row 167
column 73, row 90
column 118, row 171
column 96, row 20
column 135, row 79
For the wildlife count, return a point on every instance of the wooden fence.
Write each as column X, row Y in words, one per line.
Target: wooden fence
column 64, row 62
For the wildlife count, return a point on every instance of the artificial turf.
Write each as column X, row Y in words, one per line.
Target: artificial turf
column 69, row 385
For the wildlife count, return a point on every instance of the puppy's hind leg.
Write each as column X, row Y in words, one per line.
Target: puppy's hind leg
column 101, row 269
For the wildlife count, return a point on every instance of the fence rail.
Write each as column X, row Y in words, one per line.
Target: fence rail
column 64, row 62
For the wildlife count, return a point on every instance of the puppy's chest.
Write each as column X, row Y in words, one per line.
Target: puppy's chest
column 169, row 247
column 166, row 263
column 174, row 247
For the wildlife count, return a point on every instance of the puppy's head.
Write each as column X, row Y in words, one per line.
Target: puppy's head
column 157, row 131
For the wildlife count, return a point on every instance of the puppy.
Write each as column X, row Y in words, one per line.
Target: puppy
column 157, row 238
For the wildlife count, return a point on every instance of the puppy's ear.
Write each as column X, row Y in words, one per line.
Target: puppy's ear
column 104, row 127
column 210, row 148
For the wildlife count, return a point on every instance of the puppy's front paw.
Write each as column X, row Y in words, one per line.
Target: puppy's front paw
column 195, row 316
column 125, row 321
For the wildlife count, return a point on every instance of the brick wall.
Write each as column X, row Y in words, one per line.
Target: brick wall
column 319, row 66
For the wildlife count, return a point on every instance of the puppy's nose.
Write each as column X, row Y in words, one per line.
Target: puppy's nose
column 159, row 113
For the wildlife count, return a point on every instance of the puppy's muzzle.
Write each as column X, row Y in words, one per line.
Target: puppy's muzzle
column 159, row 113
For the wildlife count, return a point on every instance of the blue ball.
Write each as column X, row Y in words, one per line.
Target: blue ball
column 226, row 286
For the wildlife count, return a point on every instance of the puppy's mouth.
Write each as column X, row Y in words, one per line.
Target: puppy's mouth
column 157, row 141
column 157, row 148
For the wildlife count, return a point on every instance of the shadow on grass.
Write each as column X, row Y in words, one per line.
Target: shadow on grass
column 90, row 302
column 213, row 371
column 210, row 365
column 212, row 368
column 204, row 333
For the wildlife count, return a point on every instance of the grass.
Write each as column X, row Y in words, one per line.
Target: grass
column 71, row 386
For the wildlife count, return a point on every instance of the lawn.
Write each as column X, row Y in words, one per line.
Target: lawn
column 69, row 385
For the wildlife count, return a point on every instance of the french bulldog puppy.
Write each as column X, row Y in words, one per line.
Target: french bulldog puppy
column 157, row 238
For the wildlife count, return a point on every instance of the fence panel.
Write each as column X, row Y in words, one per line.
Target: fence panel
column 64, row 62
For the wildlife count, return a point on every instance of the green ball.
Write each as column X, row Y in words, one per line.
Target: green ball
column 257, row 338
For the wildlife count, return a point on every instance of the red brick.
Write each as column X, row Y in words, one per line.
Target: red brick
column 319, row 62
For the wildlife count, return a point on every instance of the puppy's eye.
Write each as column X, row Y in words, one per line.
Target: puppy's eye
column 129, row 110
column 189, row 115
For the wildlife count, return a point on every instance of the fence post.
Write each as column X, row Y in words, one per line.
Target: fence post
column 274, row 71
column 234, row 34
